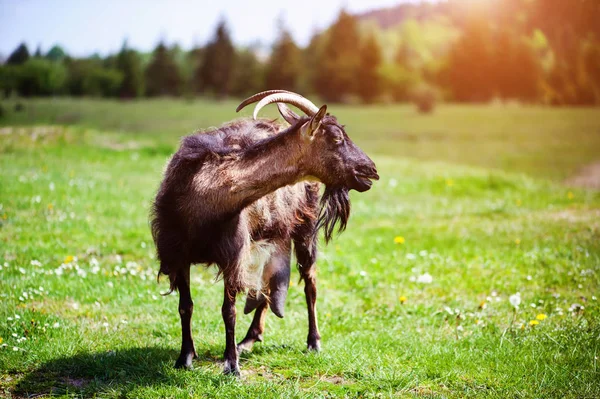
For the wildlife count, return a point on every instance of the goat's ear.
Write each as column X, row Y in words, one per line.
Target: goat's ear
column 315, row 121
column 290, row 116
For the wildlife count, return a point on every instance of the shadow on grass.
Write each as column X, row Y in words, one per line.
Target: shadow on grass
column 123, row 370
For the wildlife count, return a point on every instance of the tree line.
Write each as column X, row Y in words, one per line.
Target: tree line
column 542, row 51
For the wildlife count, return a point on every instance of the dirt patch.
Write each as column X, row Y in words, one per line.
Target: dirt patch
column 587, row 177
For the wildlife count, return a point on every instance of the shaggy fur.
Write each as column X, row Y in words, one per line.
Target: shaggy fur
column 238, row 197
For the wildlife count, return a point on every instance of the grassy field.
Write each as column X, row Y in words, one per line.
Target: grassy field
column 414, row 296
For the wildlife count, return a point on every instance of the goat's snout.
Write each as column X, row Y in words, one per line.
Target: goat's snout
column 368, row 171
column 363, row 175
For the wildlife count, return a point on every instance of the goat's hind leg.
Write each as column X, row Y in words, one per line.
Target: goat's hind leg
column 186, row 308
column 255, row 332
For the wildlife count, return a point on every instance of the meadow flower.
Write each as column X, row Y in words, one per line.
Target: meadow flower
column 576, row 307
column 570, row 195
column 411, row 256
column 517, row 241
column 541, row 316
column 515, row 300
column 534, row 323
column 425, row 278
column 399, row 240
column 482, row 305
column 56, row 325
column 36, row 263
column 69, row 259
column 449, row 182
column 402, row 299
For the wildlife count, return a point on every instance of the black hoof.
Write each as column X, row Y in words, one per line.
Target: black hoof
column 183, row 364
column 231, row 368
column 314, row 346
column 185, row 361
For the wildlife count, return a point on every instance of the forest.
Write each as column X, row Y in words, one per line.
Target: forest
column 531, row 51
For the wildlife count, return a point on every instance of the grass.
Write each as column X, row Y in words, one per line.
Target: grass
column 77, row 277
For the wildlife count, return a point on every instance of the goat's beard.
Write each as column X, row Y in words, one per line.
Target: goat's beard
column 335, row 209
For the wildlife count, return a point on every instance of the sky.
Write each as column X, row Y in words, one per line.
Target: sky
column 85, row 27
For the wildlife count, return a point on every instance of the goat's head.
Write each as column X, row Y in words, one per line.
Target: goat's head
column 332, row 157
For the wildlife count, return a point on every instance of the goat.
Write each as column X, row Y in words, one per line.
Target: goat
column 240, row 195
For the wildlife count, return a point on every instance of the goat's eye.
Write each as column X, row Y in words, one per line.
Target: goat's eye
column 338, row 140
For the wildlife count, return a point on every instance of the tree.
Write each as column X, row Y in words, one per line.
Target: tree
column 216, row 71
column 162, row 74
column 469, row 64
column 40, row 77
column 369, row 80
column 248, row 76
column 129, row 64
column 56, row 53
column 284, row 66
column 88, row 77
column 336, row 77
column 19, row 56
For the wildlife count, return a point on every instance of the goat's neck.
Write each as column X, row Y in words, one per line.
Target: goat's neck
column 269, row 164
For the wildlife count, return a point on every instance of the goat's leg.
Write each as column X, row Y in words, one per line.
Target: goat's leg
column 186, row 308
column 310, row 291
column 257, row 327
column 228, row 312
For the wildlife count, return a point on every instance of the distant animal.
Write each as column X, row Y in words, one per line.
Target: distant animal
column 241, row 197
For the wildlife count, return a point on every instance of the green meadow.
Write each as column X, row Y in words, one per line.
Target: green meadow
column 471, row 217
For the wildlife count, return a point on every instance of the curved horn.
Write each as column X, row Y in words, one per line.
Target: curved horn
column 258, row 97
column 290, row 116
column 289, row 98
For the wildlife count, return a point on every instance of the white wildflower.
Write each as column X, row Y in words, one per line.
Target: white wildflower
column 425, row 278
column 515, row 300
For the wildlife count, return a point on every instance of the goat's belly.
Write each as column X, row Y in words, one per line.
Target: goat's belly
column 253, row 261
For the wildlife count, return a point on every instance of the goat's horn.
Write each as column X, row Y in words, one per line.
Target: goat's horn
column 288, row 98
column 258, row 97
column 280, row 96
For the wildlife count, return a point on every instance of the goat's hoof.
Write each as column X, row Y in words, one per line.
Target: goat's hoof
column 245, row 347
column 183, row 364
column 185, row 361
column 231, row 368
column 314, row 346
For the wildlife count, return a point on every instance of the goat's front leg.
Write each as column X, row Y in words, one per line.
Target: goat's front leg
column 228, row 312
column 186, row 308
column 256, row 328
column 310, row 291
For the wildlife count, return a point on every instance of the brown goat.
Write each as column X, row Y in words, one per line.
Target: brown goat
column 240, row 195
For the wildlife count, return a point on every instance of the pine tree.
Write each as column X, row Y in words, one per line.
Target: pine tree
column 369, row 80
column 284, row 66
column 162, row 74
column 336, row 77
column 248, row 77
column 56, row 53
column 129, row 64
column 216, row 71
column 19, row 56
